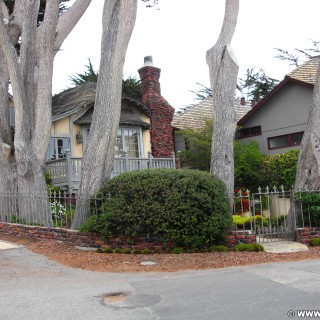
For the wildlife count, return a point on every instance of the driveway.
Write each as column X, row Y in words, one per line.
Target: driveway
column 33, row 287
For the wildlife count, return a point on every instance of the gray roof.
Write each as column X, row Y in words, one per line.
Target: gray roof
column 68, row 101
column 127, row 117
column 195, row 117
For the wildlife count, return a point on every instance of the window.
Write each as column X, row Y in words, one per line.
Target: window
column 249, row 132
column 128, row 140
column 285, row 141
column 57, row 148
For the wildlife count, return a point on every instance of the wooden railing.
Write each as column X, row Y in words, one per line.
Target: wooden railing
column 67, row 172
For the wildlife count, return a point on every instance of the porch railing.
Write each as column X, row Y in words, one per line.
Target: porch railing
column 67, row 171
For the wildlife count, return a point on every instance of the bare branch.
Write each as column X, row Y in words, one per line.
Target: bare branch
column 68, row 20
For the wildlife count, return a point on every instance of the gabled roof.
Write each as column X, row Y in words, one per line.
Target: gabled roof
column 303, row 75
column 70, row 100
column 196, row 116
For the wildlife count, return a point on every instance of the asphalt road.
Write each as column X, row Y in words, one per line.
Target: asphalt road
column 33, row 287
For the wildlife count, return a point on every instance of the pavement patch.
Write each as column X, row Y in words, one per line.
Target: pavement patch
column 284, row 246
column 4, row 245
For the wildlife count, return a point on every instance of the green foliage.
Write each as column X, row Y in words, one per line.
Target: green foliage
column 188, row 207
column 177, row 250
column 107, row 250
column 311, row 205
column 219, row 248
column 247, row 164
column 280, row 169
column 146, row 251
column 257, row 84
column 127, row 250
column 89, row 75
column 198, row 153
column 131, row 87
column 117, row 250
column 239, row 221
column 250, row 247
column 315, row 242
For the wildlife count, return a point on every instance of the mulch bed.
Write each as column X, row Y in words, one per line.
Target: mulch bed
column 71, row 256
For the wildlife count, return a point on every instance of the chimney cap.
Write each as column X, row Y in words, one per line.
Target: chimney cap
column 148, row 61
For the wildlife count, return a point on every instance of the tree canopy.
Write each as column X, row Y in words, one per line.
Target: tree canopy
column 131, row 86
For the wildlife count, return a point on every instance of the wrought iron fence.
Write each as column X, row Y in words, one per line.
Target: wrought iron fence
column 274, row 214
column 53, row 209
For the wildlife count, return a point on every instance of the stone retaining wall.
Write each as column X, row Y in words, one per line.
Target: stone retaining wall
column 87, row 239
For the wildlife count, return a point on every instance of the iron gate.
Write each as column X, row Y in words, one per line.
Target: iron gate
column 270, row 214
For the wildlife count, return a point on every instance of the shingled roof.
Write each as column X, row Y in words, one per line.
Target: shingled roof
column 195, row 117
column 68, row 101
column 307, row 72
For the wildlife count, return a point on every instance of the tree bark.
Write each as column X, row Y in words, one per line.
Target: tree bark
column 223, row 70
column 30, row 74
column 97, row 162
column 308, row 168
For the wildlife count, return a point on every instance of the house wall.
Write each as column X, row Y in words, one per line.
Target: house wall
column 286, row 112
column 66, row 128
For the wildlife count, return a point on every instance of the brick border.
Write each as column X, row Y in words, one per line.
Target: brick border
column 304, row 235
column 88, row 239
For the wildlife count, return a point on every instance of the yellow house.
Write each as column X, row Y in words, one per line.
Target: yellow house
column 144, row 139
column 72, row 112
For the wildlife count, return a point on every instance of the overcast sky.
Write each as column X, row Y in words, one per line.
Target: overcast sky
column 179, row 34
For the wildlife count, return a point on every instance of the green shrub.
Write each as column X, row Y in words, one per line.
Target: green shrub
column 219, row 248
column 189, row 207
column 136, row 251
column 250, row 247
column 107, row 250
column 315, row 242
column 117, row 250
column 177, row 250
column 146, row 251
column 127, row 250
column 258, row 247
column 310, row 205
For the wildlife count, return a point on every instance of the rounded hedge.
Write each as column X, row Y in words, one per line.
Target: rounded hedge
column 188, row 207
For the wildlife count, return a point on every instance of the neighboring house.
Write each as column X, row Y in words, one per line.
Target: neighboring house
column 196, row 116
column 278, row 121
column 144, row 137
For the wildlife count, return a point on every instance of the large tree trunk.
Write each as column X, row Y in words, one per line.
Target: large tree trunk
column 308, row 169
column 97, row 164
column 223, row 70
column 22, row 158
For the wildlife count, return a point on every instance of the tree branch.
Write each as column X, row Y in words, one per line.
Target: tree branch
column 68, row 20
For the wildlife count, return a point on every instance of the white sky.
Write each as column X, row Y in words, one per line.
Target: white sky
column 179, row 34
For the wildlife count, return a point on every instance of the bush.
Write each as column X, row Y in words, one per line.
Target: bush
column 107, row 250
column 146, row 251
column 219, row 249
column 315, row 242
column 189, row 207
column 177, row 250
column 250, row 247
column 117, row 250
column 127, row 250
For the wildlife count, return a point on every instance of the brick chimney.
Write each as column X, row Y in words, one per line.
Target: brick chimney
column 162, row 112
